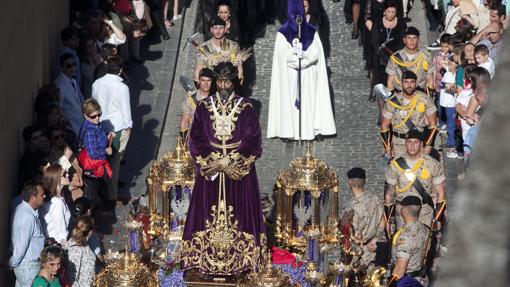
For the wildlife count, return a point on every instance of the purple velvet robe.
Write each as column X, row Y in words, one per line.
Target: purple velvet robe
column 243, row 195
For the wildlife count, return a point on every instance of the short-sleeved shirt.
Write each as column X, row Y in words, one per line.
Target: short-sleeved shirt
column 419, row 107
column 228, row 47
column 190, row 103
column 409, row 243
column 401, row 61
column 368, row 210
column 427, row 170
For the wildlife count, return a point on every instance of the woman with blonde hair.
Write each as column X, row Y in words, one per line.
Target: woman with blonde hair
column 55, row 212
column 81, row 259
column 94, row 141
column 51, row 259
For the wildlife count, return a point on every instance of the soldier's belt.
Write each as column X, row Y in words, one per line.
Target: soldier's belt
column 414, row 274
column 400, row 135
column 403, row 135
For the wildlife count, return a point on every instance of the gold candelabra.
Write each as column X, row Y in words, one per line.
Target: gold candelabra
column 125, row 270
column 269, row 276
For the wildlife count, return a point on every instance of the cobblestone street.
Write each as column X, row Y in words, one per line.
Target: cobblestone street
column 357, row 142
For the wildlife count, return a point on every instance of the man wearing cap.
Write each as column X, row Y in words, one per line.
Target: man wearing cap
column 205, row 79
column 368, row 211
column 410, row 58
column 217, row 47
column 419, row 175
column 405, row 111
column 409, row 245
column 224, row 232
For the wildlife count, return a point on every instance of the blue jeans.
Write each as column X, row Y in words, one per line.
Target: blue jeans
column 469, row 142
column 26, row 272
column 450, row 126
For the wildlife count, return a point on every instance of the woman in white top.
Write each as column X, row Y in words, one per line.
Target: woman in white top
column 81, row 259
column 113, row 34
column 55, row 211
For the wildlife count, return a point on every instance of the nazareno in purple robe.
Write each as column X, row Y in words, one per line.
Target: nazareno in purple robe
column 243, row 195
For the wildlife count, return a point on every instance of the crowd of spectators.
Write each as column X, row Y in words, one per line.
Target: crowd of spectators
column 69, row 171
column 461, row 62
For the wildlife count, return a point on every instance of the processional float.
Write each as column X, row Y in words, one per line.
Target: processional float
column 306, row 202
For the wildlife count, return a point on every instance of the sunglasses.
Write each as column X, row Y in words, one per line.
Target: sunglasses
column 95, row 116
column 70, row 65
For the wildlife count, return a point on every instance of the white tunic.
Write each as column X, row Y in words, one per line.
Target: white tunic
column 316, row 114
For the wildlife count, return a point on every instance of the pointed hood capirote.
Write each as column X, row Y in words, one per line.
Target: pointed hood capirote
column 289, row 29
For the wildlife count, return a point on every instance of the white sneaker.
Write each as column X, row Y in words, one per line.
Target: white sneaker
column 177, row 17
column 443, row 129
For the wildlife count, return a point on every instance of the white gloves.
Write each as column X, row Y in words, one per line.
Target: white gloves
column 297, row 48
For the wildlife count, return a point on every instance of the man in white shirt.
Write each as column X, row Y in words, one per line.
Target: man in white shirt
column 71, row 97
column 113, row 97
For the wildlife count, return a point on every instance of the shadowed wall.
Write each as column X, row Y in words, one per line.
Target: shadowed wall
column 30, row 41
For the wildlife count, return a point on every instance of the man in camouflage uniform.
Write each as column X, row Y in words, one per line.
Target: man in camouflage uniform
column 405, row 111
column 410, row 58
column 368, row 211
column 410, row 245
column 205, row 79
column 419, row 175
column 217, row 49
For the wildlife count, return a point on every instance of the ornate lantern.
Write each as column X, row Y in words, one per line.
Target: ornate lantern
column 306, row 200
column 173, row 176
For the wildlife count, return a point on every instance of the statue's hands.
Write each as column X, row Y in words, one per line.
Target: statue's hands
column 234, row 173
column 212, row 168
column 216, row 166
